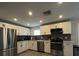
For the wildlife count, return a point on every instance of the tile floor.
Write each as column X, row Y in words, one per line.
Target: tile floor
column 34, row 53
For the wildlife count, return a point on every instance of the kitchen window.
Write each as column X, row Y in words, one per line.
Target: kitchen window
column 36, row 32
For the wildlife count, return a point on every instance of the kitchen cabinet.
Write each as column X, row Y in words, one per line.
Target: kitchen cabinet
column 53, row 26
column 22, row 46
column 68, row 48
column 20, row 30
column 25, row 45
column 57, row 25
column 19, row 47
column 60, row 25
column 45, row 29
column 23, row 31
column 33, row 45
column 67, row 27
column 47, row 46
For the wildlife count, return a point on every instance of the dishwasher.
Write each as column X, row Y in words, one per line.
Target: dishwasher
column 40, row 46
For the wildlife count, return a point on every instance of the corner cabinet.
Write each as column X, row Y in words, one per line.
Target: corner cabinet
column 23, row 31
column 22, row 46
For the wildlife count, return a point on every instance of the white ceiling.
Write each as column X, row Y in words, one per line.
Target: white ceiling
column 19, row 10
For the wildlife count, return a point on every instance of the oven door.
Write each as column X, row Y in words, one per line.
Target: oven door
column 56, row 48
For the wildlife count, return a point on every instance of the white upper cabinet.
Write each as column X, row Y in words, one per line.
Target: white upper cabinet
column 60, row 25
column 53, row 26
column 20, row 30
column 67, row 27
column 45, row 29
column 23, row 31
column 57, row 25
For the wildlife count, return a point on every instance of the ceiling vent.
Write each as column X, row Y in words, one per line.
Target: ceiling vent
column 46, row 13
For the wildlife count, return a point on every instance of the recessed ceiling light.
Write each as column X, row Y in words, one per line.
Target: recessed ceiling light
column 15, row 19
column 41, row 21
column 30, row 13
column 60, row 2
column 28, row 24
column 60, row 16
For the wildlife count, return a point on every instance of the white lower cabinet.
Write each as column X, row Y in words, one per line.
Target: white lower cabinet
column 22, row 46
column 33, row 45
column 47, row 46
column 29, row 44
column 25, row 45
column 19, row 48
column 68, row 48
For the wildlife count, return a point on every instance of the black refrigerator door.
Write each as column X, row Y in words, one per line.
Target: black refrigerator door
column 1, row 41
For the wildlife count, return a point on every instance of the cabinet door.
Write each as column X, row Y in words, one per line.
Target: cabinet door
column 45, row 29
column 22, row 46
column 47, row 46
column 67, row 27
column 25, row 45
column 23, row 31
column 19, row 47
column 60, row 25
column 68, row 48
column 29, row 45
column 53, row 26
column 34, row 45
column 57, row 25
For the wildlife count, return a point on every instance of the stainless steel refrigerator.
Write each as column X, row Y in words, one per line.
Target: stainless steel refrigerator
column 8, row 42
